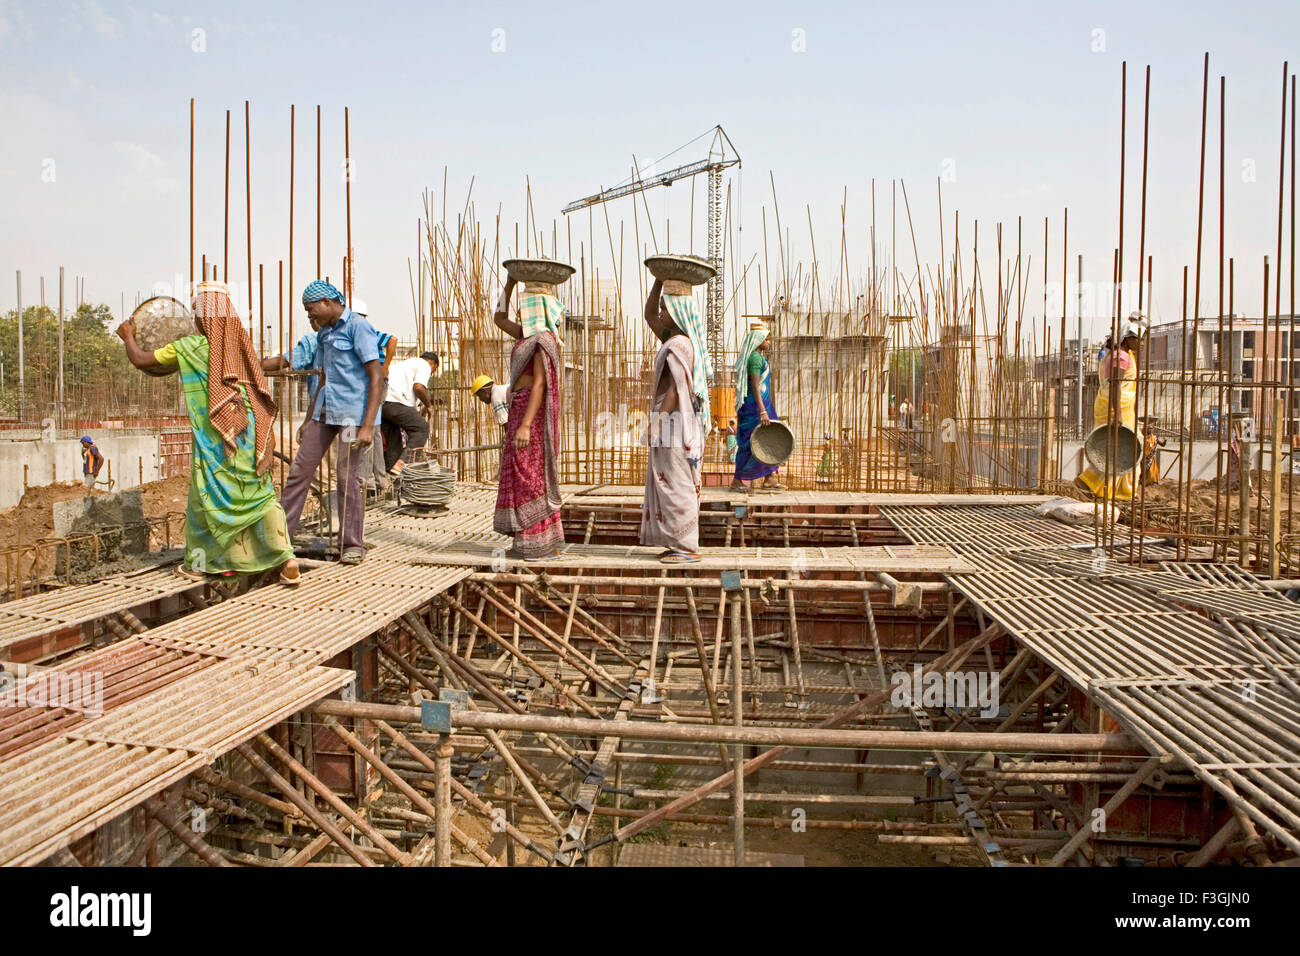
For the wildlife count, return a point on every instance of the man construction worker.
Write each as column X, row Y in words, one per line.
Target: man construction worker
column 91, row 461
column 304, row 355
column 408, row 383
column 346, row 405
column 496, row 396
column 1117, row 372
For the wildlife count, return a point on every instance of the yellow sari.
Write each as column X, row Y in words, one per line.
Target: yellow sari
column 1124, row 365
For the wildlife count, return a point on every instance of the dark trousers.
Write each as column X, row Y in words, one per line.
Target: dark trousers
column 398, row 416
column 316, row 440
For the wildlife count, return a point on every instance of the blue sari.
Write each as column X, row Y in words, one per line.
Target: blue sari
column 747, row 419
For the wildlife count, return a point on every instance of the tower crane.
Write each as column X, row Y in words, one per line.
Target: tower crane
column 722, row 155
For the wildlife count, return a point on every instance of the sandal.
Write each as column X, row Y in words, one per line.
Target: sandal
column 679, row 557
column 191, row 574
column 352, row 556
column 290, row 580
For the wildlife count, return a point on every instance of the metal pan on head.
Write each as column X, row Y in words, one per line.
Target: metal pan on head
column 546, row 271
column 689, row 269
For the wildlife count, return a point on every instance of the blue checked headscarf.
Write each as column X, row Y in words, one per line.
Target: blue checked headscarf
column 320, row 289
column 686, row 316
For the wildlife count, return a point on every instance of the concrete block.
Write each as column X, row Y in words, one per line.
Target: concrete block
column 123, row 509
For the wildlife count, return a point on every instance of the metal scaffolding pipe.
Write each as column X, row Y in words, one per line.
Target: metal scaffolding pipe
column 971, row 742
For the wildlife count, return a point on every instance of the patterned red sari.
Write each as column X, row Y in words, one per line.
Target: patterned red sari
column 528, row 494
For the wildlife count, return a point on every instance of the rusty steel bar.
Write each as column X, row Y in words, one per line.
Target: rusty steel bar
column 158, row 810
column 361, row 823
column 318, row 818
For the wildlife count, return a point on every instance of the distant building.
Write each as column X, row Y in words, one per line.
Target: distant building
column 1233, row 349
column 1060, row 375
column 829, row 370
column 959, row 366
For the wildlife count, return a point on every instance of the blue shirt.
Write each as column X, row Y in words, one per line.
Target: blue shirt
column 303, row 356
column 304, row 352
column 344, row 349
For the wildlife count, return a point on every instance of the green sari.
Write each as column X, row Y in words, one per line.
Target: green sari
column 233, row 522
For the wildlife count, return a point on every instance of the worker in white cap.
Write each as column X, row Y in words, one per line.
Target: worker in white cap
column 1118, row 366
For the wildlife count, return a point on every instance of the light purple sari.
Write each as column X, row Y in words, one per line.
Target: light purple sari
column 670, row 516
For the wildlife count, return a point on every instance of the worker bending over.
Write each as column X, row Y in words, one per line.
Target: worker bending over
column 408, row 383
column 497, row 397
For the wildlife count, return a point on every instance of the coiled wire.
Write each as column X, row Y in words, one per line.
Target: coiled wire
column 426, row 484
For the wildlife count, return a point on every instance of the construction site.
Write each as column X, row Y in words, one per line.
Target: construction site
column 929, row 646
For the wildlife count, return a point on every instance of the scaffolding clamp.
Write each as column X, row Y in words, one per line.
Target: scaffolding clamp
column 457, row 698
column 435, row 715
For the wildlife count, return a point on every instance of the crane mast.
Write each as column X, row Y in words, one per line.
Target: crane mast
column 722, row 155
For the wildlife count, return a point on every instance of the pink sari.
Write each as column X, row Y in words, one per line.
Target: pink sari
column 528, row 493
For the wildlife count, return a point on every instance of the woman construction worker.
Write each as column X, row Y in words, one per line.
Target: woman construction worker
column 1116, row 372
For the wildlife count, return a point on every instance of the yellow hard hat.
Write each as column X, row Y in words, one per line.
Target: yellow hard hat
column 480, row 382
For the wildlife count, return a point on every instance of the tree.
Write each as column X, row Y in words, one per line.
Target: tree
column 98, row 380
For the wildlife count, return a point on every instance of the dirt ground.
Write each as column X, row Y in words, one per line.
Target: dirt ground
column 33, row 517
column 32, row 521
column 1166, row 495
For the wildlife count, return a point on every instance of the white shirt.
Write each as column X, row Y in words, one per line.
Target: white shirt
column 403, row 377
column 501, row 403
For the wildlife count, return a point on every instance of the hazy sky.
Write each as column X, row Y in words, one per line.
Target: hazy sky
column 1016, row 105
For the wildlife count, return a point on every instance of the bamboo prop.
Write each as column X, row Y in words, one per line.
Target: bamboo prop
column 825, row 735
column 469, row 796
column 158, row 810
